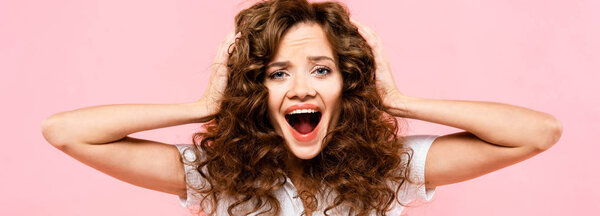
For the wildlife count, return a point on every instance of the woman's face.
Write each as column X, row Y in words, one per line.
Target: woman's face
column 305, row 89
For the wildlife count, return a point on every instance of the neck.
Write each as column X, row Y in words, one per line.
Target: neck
column 295, row 170
column 294, row 165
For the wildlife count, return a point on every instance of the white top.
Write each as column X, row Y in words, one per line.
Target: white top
column 287, row 195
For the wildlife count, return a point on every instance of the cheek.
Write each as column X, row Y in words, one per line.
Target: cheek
column 330, row 90
column 275, row 100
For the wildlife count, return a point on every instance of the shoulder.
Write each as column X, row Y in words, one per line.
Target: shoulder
column 419, row 141
column 189, row 152
column 419, row 146
column 415, row 190
column 191, row 156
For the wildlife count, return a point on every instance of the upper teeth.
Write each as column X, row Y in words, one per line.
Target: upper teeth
column 298, row 111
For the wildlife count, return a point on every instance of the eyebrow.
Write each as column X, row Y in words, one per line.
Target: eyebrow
column 310, row 58
column 320, row 58
column 278, row 64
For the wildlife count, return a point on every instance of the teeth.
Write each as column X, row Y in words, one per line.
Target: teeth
column 299, row 111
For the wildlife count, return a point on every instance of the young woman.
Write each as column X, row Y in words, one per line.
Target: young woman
column 300, row 118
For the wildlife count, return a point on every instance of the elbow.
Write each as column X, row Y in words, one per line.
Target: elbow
column 51, row 128
column 552, row 133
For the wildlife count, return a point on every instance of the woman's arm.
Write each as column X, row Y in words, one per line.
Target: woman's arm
column 496, row 123
column 108, row 123
column 98, row 136
column 496, row 135
column 501, row 124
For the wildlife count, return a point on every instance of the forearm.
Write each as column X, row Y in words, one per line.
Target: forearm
column 496, row 123
column 107, row 123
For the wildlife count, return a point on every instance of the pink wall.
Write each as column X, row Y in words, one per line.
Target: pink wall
column 61, row 55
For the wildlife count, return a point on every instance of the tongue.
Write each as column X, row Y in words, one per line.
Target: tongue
column 302, row 124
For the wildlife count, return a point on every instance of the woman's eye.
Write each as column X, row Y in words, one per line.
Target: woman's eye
column 277, row 75
column 322, row 71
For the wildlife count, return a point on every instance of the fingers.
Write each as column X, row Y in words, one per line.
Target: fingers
column 227, row 42
column 369, row 34
column 374, row 41
column 226, row 47
column 230, row 41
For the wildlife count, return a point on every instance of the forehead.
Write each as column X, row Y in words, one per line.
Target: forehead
column 304, row 39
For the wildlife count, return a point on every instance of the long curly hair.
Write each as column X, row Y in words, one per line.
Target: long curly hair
column 244, row 158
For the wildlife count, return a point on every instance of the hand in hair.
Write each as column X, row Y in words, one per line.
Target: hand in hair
column 384, row 78
column 218, row 74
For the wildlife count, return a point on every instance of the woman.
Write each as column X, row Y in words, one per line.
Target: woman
column 300, row 118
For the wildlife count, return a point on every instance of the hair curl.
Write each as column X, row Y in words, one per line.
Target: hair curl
column 244, row 157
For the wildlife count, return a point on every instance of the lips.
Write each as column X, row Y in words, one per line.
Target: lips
column 303, row 121
column 302, row 106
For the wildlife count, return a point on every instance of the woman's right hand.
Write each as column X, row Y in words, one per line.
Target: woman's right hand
column 218, row 75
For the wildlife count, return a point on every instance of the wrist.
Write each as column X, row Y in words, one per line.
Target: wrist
column 401, row 105
column 201, row 110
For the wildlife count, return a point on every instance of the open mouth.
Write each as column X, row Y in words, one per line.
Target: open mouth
column 303, row 121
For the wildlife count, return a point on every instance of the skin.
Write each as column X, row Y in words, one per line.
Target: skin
column 495, row 135
column 296, row 79
column 295, row 76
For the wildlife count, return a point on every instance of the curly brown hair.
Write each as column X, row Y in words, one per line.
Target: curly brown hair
column 244, row 158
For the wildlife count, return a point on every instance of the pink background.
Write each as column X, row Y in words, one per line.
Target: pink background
column 63, row 55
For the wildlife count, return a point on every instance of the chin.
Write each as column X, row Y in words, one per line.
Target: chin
column 304, row 151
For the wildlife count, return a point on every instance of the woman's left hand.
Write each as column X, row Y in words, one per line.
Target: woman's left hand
column 217, row 83
column 386, row 87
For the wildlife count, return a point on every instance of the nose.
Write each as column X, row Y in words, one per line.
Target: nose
column 301, row 88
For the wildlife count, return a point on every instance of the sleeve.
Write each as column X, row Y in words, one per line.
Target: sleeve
column 192, row 177
column 417, row 192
